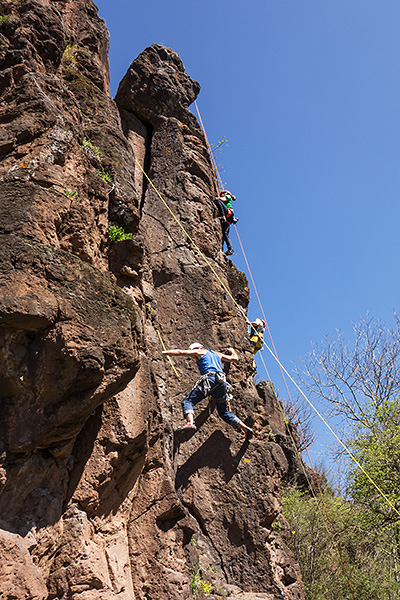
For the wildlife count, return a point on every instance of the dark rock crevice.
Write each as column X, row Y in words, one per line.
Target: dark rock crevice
column 146, row 166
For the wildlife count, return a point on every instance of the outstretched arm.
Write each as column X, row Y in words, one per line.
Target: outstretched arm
column 196, row 354
column 231, row 357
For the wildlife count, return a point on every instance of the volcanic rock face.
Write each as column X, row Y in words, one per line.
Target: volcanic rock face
column 98, row 499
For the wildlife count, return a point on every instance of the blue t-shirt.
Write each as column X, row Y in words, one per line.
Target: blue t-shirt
column 210, row 361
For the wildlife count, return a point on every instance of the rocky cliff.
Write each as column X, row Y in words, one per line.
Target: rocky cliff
column 98, row 499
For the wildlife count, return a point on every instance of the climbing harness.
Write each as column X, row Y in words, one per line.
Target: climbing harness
column 257, row 342
column 273, row 353
column 203, row 383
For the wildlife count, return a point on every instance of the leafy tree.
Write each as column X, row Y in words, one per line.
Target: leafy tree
column 377, row 450
column 359, row 382
column 370, row 564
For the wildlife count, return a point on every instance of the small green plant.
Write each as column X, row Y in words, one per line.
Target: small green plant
column 70, row 53
column 91, row 148
column 117, row 234
column 71, row 194
column 5, row 20
column 194, row 542
column 219, row 144
column 277, row 528
column 271, row 436
column 74, row 54
column 216, row 149
column 105, row 175
column 198, row 584
column 195, row 579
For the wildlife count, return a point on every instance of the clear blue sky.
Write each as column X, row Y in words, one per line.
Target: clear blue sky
column 307, row 93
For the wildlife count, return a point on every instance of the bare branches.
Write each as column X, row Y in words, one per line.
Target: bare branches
column 353, row 377
column 301, row 415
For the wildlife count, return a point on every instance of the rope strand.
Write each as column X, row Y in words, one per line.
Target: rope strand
column 241, row 311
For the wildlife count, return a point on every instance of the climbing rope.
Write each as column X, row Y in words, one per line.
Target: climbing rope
column 282, row 368
column 170, row 361
column 210, row 152
column 216, row 173
column 241, row 311
column 283, row 371
column 244, row 315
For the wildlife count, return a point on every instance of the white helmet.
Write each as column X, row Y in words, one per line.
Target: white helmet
column 195, row 346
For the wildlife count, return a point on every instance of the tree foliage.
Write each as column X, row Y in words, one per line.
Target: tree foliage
column 370, row 563
column 359, row 382
column 377, row 449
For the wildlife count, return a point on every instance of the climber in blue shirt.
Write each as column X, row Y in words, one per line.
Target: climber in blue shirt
column 211, row 383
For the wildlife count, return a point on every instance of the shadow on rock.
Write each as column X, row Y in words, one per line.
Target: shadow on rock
column 214, row 453
column 82, row 451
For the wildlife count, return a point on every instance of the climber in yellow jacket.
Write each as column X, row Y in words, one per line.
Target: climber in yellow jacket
column 257, row 329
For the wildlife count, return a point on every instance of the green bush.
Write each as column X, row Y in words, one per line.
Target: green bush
column 105, row 175
column 71, row 194
column 91, row 148
column 117, row 234
column 369, row 556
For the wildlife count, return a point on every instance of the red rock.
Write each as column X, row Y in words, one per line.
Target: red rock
column 98, row 500
column 19, row 577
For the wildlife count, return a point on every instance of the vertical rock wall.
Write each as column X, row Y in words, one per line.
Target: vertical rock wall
column 98, row 500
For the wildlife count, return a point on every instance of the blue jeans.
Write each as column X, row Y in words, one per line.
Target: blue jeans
column 218, row 391
column 223, row 211
column 225, row 235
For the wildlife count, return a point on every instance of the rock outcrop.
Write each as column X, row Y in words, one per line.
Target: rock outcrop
column 98, row 500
